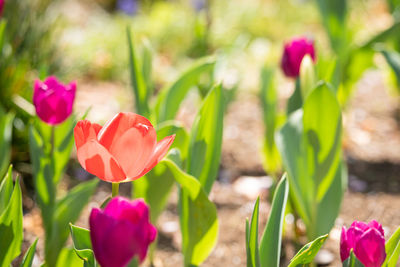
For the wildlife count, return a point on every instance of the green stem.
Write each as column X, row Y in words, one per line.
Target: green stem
column 115, row 189
column 53, row 128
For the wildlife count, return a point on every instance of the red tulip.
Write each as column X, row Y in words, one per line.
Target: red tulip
column 367, row 242
column 121, row 231
column 293, row 54
column 53, row 100
column 123, row 150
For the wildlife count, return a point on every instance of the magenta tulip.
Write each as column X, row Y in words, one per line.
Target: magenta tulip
column 53, row 101
column 367, row 242
column 2, row 2
column 293, row 54
column 121, row 232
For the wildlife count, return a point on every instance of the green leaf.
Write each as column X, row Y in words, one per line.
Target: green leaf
column 67, row 211
column 248, row 253
column 290, row 145
column 310, row 145
column 322, row 122
column 271, row 241
column 154, row 188
column 28, row 258
column 6, row 189
column 11, row 230
column 169, row 99
column 333, row 14
column 206, row 140
column 181, row 140
column 392, row 248
column 198, row 217
column 68, row 258
column 253, row 237
column 295, row 101
column 138, row 80
column 307, row 253
column 82, row 244
column 329, row 207
column 272, row 120
column 393, row 59
column 6, row 121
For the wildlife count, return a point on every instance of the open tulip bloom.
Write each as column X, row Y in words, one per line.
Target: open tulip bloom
column 367, row 242
column 293, row 54
column 121, row 232
column 53, row 100
column 123, row 150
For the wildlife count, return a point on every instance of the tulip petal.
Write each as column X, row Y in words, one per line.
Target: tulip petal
column 377, row 226
column 131, row 139
column 370, row 248
column 159, row 152
column 344, row 245
column 93, row 157
column 118, row 125
column 134, row 211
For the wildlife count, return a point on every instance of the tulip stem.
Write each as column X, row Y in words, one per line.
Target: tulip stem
column 115, row 189
column 52, row 141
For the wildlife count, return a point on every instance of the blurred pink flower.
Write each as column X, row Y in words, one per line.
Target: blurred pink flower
column 2, row 3
column 53, row 101
column 293, row 54
column 367, row 242
column 121, row 231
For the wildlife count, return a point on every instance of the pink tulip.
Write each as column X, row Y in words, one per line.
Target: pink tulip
column 2, row 2
column 53, row 101
column 122, row 150
column 367, row 242
column 121, row 232
column 293, row 54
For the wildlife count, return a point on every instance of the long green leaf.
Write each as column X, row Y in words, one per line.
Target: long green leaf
column 322, row 122
column 6, row 189
column 206, row 140
column 28, row 258
column 290, row 145
column 307, row 253
column 198, row 217
column 11, row 230
column 253, row 237
column 272, row 119
column 393, row 59
column 169, row 100
column 271, row 241
column 6, row 121
column 392, row 248
column 138, row 81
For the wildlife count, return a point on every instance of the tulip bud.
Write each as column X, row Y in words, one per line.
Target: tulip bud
column 293, row 54
column 307, row 76
column 121, row 232
column 366, row 240
column 53, row 101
